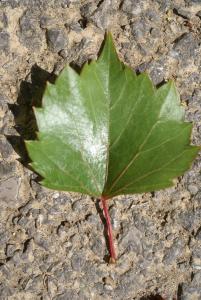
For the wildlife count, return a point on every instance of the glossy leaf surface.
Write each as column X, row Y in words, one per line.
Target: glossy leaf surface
column 108, row 131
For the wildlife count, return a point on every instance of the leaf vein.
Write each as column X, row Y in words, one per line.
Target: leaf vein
column 65, row 172
column 151, row 172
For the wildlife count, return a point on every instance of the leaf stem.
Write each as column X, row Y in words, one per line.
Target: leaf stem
column 109, row 230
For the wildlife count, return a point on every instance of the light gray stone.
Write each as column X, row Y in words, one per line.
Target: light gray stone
column 56, row 39
column 9, row 192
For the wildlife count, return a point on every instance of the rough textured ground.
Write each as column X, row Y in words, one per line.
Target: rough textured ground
column 52, row 244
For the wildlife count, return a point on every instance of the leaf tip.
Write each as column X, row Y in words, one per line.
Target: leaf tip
column 108, row 50
column 109, row 35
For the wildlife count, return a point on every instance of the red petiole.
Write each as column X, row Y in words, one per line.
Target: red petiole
column 109, row 230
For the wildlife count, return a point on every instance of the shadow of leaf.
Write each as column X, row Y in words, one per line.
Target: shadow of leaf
column 152, row 297
column 30, row 95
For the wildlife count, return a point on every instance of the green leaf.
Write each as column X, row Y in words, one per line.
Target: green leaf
column 107, row 131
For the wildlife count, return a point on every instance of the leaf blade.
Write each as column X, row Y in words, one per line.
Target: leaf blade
column 108, row 131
